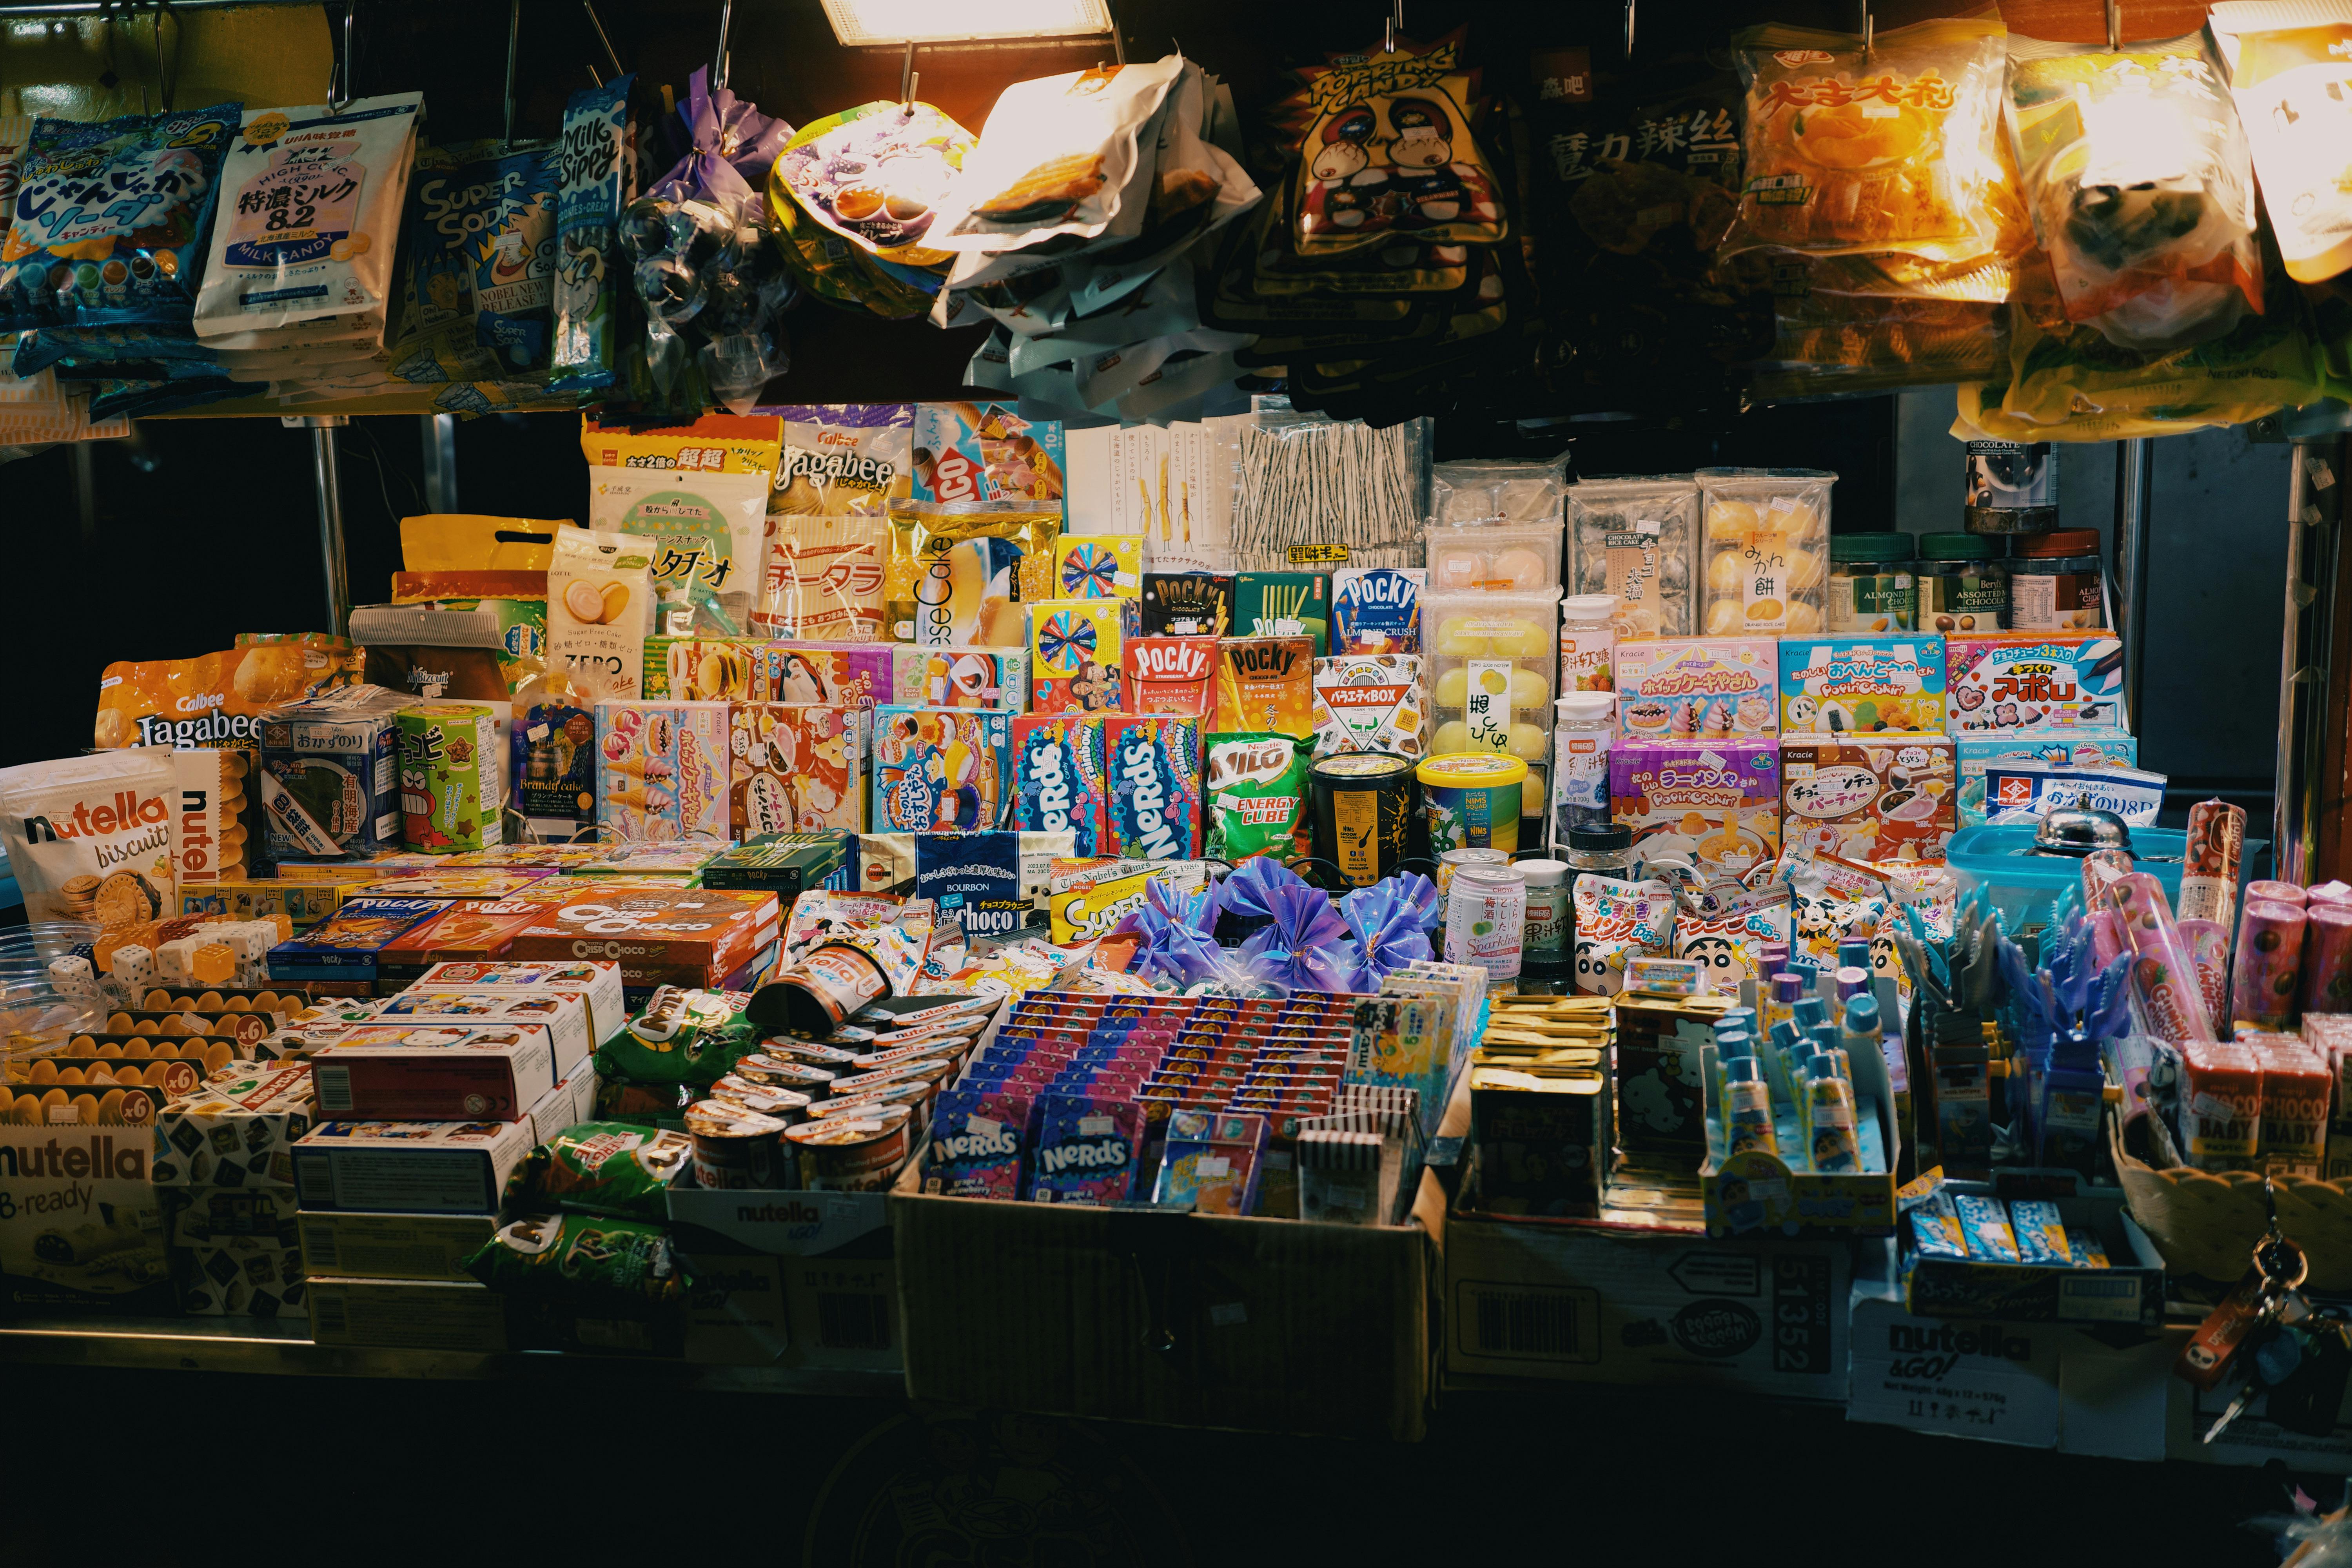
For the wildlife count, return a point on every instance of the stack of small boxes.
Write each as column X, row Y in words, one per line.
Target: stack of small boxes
column 224, row 1152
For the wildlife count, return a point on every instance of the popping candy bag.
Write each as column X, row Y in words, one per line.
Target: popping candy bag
column 1254, row 795
column 2141, row 185
column 1897, row 148
column 2291, row 75
column 110, row 219
column 598, row 173
column 311, row 218
column 601, row 1167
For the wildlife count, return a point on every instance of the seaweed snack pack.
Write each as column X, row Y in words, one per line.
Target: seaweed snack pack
column 698, row 494
column 600, row 166
column 310, row 223
column 110, row 219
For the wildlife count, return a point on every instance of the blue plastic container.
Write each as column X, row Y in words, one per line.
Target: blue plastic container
column 2024, row 885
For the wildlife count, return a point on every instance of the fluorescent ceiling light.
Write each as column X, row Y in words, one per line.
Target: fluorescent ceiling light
column 857, row 23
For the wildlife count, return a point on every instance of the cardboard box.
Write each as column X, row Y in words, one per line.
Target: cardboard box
column 476, row 929
column 2084, row 748
column 1719, row 689
column 1182, row 1318
column 2130, row 1290
column 343, row 947
column 305, row 904
column 599, row 983
column 237, row 1129
column 1754, row 1192
column 1884, row 797
column 435, row 1072
column 937, row 768
column 795, row 769
column 242, row 1276
column 562, row 1012
column 1858, row 685
column 393, row 1245
column 1717, row 804
column 408, row 1314
column 2047, row 685
column 784, row 864
column 1575, row 1302
column 409, row 1167
column 787, row 1223
column 662, row 771
column 211, row 1216
column 82, row 1227
column 658, row 936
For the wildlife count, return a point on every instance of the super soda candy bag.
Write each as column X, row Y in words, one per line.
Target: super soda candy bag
column 110, row 219
column 598, row 173
column 510, row 244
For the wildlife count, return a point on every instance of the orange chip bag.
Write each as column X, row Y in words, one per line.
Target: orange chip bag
column 1901, row 148
column 217, row 698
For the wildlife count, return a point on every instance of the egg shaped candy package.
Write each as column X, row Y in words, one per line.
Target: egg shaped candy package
column 1766, row 556
column 1502, row 557
column 1491, row 660
column 1634, row 538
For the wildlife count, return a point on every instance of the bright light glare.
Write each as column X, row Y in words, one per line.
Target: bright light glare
column 861, row 22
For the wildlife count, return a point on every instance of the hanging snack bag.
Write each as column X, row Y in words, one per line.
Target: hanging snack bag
column 2291, row 73
column 312, row 216
column 510, row 243
column 110, row 219
column 599, row 608
column 698, row 494
column 1896, row 148
column 1387, row 152
column 2141, row 184
column 433, row 337
column 877, row 175
column 599, row 170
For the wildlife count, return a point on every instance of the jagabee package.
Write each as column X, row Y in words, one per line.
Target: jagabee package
column 91, row 838
column 450, row 797
column 1265, row 683
column 795, row 769
column 1187, row 604
column 1697, row 689
column 1720, row 804
column 1369, row 702
column 312, row 216
column 1154, row 761
column 960, row 677
column 2033, row 682
column 1074, row 651
column 1884, row 797
column 217, row 698
column 828, row 534
column 1060, row 785
column 1253, row 796
column 698, row 494
column 1863, row 685
column 600, row 608
column 328, row 768
column 1107, row 566
column 972, row 456
column 1377, row 609
column 663, row 770
column 1172, row 675
column 938, row 768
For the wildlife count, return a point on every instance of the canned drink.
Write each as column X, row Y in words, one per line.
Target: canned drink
column 1450, row 863
column 1486, row 920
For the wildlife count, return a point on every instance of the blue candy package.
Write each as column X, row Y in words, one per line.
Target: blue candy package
column 510, row 229
column 1083, row 1150
column 975, row 877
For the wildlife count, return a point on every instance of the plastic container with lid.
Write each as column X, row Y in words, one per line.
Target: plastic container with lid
column 1767, row 533
column 1546, row 955
column 1870, row 587
column 1583, row 732
column 2013, row 487
column 1963, row 585
column 1635, row 539
column 1472, row 801
column 1588, row 643
column 1491, row 659
column 2056, row 582
column 1506, row 556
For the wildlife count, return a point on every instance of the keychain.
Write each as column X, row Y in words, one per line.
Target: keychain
column 2267, row 1331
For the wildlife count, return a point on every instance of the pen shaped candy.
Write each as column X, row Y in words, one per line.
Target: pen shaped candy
column 2163, row 973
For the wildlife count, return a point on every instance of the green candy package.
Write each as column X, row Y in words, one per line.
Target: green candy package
column 1254, row 795
column 682, row 1037
column 577, row 1282
column 601, row 1167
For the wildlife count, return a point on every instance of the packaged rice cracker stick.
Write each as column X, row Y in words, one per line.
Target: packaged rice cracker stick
column 311, row 216
column 448, row 776
column 698, row 494
column 599, row 170
column 600, row 607
column 91, row 838
column 110, row 219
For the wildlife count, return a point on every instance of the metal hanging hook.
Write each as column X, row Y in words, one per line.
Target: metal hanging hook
column 514, row 43
column 1393, row 26
column 1869, row 32
column 1629, row 30
column 2115, row 26
column 909, row 80
column 603, row 39
column 726, row 23
column 340, row 97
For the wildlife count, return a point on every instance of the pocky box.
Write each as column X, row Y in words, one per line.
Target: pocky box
column 2033, row 682
column 1887, row 797
column 1172, row 675
column 1284, row 605
column 1718, row 806
column 1688, row 688
column 1377, row 609
column 1060, row 785
column 1153, row 763
column 937, row 768
column 1076, row 651
column 1187, row 604
column 1265, row 683
column 1862, row 685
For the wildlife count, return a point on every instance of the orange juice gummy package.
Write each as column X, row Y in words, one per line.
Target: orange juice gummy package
column 1897, row 148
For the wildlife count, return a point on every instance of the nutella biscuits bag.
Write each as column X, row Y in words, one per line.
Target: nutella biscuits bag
column 91, row 838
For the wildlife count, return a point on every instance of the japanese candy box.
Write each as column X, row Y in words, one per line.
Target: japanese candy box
column 1369, row 702
column 1697, row 689
column 938, row 768
column 661, row 770
column 1858, row 685
column 1718, row 807
column 1883, row 798
column 1073, row 654
column 2082, row 748
column 795, row 769
column 2033, row 682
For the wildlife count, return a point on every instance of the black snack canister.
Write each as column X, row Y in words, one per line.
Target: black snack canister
column 1362, row 804
column 2013, row 487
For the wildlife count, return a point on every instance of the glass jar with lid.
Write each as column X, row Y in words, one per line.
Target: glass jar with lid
column 1962, row 582
column 1871, row 587
column 2056, row 582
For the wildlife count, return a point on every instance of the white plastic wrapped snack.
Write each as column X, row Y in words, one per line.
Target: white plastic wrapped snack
column 1634, row 539
column 1486, row 490
column 309, row 216
column 2291, row 73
